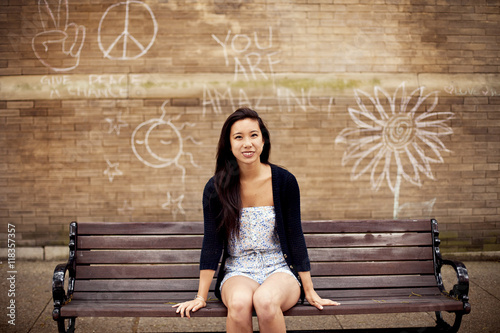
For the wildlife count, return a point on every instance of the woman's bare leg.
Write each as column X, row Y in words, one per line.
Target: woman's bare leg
column 237, row 294
column 278, row 293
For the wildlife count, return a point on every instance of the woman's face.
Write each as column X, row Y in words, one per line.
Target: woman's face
column 247, row 141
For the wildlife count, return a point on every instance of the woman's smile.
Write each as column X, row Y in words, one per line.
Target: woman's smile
column 248, row 153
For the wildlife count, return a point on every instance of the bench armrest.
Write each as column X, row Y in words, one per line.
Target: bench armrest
column 58, row 291
column 460, row 290
column 59, row 294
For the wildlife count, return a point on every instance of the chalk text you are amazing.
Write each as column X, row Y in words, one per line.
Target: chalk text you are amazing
column 11, row 273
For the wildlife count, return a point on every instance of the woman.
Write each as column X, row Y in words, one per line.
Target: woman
column 252, row 216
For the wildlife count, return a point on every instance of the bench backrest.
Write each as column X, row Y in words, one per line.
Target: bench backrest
column 160, row 261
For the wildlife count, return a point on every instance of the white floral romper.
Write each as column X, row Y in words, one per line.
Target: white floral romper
column 256, row 253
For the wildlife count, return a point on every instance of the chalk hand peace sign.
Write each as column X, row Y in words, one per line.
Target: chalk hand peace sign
column 60, row 44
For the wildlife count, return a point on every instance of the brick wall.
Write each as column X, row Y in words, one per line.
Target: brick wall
column 111, row 110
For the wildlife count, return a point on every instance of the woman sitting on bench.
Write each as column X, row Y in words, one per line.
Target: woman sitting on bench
column 252, row 217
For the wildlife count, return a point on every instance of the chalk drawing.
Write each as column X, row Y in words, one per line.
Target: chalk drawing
column 127, row 45
column 126, row 209
column 288, row 99
column 59, row 46
column 93, row 86
column 471, row 91
column 215, row 98
column 249, row 61
column 174, row 205
column 112, row 171
column 396, row 143
column 115, row 124
column 161, row 132
column 253, row 59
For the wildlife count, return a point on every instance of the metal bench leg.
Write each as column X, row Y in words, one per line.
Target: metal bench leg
column 62, row 327
column 441, row 324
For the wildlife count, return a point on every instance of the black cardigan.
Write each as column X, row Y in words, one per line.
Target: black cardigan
column 286, row 196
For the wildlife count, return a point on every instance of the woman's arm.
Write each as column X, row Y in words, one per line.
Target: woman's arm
column 206, row 277
column 200, row 301
column 311, row 295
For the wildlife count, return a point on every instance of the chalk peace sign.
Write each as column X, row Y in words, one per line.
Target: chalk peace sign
column 138, row 34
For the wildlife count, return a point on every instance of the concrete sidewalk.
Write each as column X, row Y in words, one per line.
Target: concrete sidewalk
column 33, row 301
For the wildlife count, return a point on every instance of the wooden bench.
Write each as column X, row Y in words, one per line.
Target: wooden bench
column 141, row 269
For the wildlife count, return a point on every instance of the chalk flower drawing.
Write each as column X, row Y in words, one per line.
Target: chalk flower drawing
column 395, row 137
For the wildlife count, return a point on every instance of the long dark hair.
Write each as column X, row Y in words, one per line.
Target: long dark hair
column 227, row 171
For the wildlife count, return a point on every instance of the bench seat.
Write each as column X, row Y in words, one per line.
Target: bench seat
column 162, row 308
column 371, row 267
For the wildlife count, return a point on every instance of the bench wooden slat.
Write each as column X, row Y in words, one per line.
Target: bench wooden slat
column 372, row 268
column 138, row 285
column 375, row 306
column 165, row 296
column 139, row 256
column 138, row 271
column 140, row 242
column 379, row 292
column 217, row 309
column 140, row 228
column 353, row 282
column 366, row 226
column 371, row 254
column 368, row 240
column 103, row 309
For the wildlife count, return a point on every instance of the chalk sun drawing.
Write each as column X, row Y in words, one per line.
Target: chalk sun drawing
column 59, row 46
column 395, row 144
column 132, row 42
column 151, row 138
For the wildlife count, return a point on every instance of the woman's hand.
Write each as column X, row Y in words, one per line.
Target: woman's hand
column 314, row 299
column 311, row 294
column 185, row 308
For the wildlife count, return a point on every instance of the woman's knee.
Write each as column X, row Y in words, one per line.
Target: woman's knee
column 266, row 304
column 237, row 295
column 239, row 306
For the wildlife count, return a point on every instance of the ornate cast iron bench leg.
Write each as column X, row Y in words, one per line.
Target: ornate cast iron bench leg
column 62, row 327
column 442, row 325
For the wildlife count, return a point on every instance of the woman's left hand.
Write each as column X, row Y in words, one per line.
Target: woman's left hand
column 314, row 299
